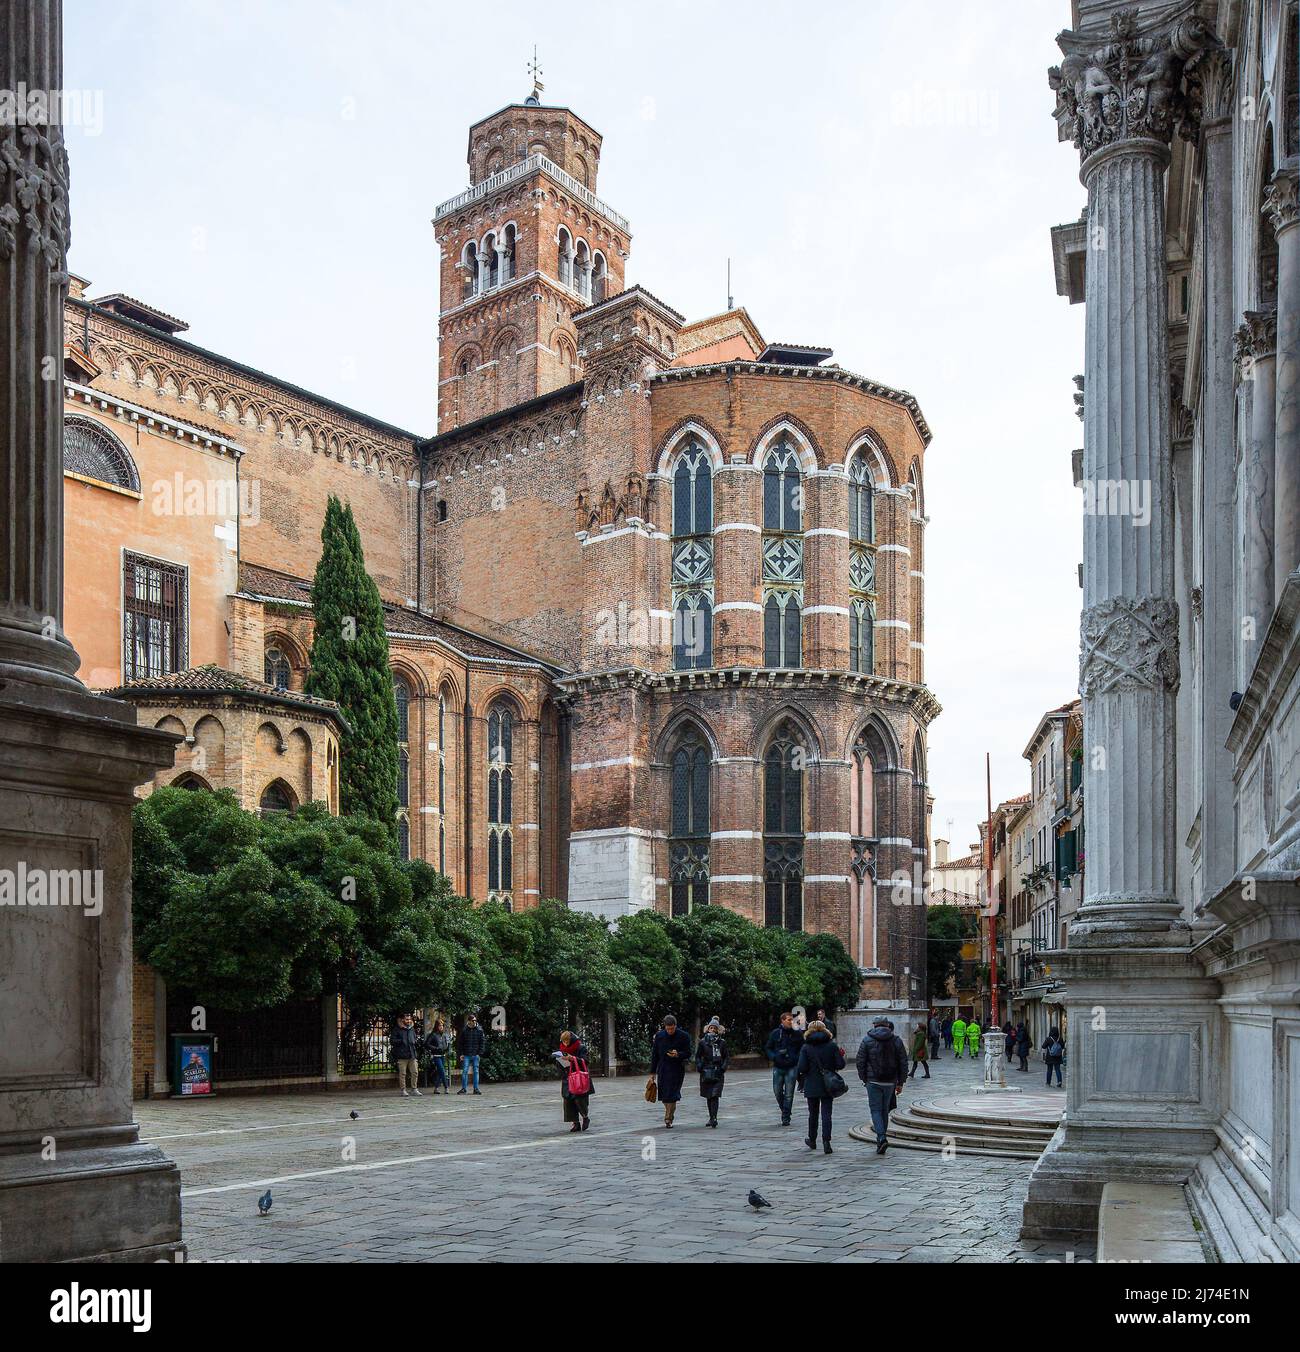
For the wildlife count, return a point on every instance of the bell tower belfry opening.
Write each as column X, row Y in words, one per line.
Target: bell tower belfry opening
column 525, row 247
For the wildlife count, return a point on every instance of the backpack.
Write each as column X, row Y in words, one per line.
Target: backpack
column 1055, row 1049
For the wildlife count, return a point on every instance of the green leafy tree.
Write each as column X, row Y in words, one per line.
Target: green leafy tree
column 836, row 972
column 724, row 968
column 350, row 665
column 947, row 929
column 642, row 944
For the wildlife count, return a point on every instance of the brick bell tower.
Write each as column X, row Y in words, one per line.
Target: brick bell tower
column 524, row 248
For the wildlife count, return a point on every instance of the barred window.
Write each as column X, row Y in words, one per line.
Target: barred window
column 91, row 450
column 155, row 615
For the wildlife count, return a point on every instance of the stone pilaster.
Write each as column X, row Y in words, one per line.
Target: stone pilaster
column 1282, row 204
column 76, row 1182
column 1256, row 341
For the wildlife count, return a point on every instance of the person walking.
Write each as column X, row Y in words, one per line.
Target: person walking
column 821, row 1017
column 1054, row 1054
column 575, row 1080
column 920, row 1051
column 470, row 1045
column 973, row 1037
column 1022, row 1045
column 406, row 1055
column 668, row 1058
column 958, row 1036
column 437, row 1045
column 882, row 1067
column 1009, row 1039
column 947, row 1032
column 936, row 1034
column 819, row 1057
column 782, row 1050
column 711, row 1061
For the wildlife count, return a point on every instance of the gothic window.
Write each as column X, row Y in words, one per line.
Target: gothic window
column 500, row 806
column 491, row 260
column 155, row 605
column 599, row 278
column 564, row 262
column 783, row 836
column 470, row 261
column 276, row 669
column 442, row 754
column 868, row 760
column 276, row 797
column 862, row 567
column 692, row 556
column 91, row 450
column 688, row 840
column 782, row 556
column 582, row 270
column 508, row 268
column 402, row 697
column 189, row 782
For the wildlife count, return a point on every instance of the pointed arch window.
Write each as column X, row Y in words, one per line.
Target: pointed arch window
column 692, row 559
column 783, row 832
column 276, row 669
column 402, row 698
column 782, row 557
column 500, row 813
column 867, row 764
column 862, row 566
column 276, row 797
column 688, row 838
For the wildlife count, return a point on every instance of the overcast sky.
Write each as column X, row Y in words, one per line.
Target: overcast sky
column 883, row 176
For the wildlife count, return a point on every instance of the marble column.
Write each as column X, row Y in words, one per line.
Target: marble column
column 76, row 1183
column 1141, row 1082
column 1256, row 341
column 1283, row 209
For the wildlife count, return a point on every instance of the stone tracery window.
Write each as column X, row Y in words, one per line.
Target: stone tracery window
column 277, row 670
column 92, row 451
column 692, row 559
column 402, row 697
column 862, row 566
column 500, row 812
column 782, row 556
column 868, row 761
column 783, row 831
column 688, row 841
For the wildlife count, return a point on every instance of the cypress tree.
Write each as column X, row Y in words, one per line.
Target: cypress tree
column 349, row 664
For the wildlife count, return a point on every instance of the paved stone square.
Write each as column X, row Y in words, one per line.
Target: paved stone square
column 500, row 1178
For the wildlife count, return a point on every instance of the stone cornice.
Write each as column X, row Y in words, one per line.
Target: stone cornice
column 834, row 373
column 918, row 698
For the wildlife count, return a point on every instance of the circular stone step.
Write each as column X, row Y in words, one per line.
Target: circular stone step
column 1019, row 1127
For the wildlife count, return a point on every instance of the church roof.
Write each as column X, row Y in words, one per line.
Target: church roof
column 266, row 584
column 210, row 679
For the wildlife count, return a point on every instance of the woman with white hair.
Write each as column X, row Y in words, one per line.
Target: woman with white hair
column 711, row 1061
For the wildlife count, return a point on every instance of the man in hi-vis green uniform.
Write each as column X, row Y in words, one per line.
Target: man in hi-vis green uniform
column 958, row 1036
column 973, row 1037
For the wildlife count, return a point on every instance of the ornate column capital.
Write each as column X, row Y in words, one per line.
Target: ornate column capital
column 1282, row 196
column 1128, row 643
column 1126, row 84
column 1255, row 337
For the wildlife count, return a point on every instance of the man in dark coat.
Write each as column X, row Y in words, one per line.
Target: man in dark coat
column 782, row 1050
column 936, row 1035
column 470, row 1045
column 668, row 1057
column 882, row 1067
column 947, row 1031
column 817, row 1058
column 406, row 1055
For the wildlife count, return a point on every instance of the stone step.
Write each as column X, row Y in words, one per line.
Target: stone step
column 906, row 1134
column 937, row 1121
column 1008, row 1121
column 936, row 1147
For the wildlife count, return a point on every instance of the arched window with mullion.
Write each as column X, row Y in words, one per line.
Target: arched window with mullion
column 862, row 566
column 688, row 840
column 500, row 843
column 783, row 831
column 782, row 557
column 402, row 699
column 692, row 559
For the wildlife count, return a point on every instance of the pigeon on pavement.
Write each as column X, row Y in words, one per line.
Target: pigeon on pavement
column 264, row 1203
column 354, row 1114
column 757, row 1200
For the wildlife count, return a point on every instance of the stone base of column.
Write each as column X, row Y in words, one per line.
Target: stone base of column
column 76, row 1182
column 1141, row 1033
column 608, row 870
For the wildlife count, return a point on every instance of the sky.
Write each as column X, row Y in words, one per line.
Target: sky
column 883, row 175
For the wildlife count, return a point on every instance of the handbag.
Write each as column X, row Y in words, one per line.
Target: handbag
column 833, row 1082
column 579, row 1078
column 651, row 1091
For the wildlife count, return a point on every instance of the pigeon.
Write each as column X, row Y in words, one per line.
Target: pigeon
column 264, row 1203
column 756, row 1200
column 354, row 1114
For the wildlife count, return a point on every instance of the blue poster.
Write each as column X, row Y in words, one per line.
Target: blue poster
column 196, row 1069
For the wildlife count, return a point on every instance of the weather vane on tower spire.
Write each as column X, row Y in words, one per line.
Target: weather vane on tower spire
column 536, row 72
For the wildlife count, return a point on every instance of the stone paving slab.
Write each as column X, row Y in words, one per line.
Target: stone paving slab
column 500, row 1178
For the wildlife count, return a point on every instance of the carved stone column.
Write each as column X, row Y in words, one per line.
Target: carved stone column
column 1282, row 203
column 1140, row 1085
column 76, row 1182
column 1256, row 343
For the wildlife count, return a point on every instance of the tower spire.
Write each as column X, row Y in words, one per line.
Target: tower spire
column 535, row 71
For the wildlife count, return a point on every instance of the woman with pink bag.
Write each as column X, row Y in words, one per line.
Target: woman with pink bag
column 575, row 1081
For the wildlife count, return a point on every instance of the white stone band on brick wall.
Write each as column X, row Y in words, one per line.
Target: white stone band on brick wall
column 826, row 610
column 737, row 605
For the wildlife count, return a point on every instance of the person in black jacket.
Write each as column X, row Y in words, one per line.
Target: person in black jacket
column 1022, row 1045
column 570, row 1056
column 406, row 1055
column 470, row 1045
column 882, row 1067
column 817, row 1058
column 436, row 1047
column 1054, row 1054
column 668, row 1057
column 782, row 1050
column 711, row 1062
